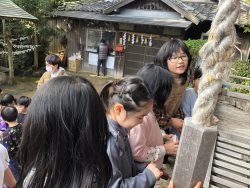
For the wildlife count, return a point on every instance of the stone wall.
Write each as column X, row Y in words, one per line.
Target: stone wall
column 237, row 100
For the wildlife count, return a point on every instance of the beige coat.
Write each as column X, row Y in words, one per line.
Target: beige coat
column 47, row 76
column 174, row 100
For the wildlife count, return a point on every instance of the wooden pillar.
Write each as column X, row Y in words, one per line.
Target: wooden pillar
column 7, row 40
column 10, row 58
column 119, row 61
column 35, row 49
column 3, row 22
column 119, row 65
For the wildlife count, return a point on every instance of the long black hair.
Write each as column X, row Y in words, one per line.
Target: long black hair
column 131, row 92
column 158, row 80
column 197, row 73
column 65, row 137
column 166, row 52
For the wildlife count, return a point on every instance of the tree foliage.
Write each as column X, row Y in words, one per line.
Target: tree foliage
column 194, row 47
column 246, row 1
column 246, row 27
column 241, row 68
column 41, row 9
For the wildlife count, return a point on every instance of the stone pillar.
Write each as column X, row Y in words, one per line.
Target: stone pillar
column 194, row 153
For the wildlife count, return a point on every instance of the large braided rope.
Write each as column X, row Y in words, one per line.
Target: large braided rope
column 216, row 57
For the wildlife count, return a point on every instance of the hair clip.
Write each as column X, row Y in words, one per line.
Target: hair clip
column 122, row 89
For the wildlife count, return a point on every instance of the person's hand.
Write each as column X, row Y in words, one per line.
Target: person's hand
column 177, row 123
column 215, row 119
column 198, row 185
column 1, row 135
column 168, row 137
column 9, row 179
column 171, row 147
column 152, row 167
column 171, row 185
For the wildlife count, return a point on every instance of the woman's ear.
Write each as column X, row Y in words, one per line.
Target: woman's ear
column 120, row 112
column 167, row 62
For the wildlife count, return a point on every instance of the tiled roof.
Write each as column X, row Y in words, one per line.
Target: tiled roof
column 89, row 7
column 201, row 10
column 191, row 9
column 128, row 18
column 207, row 11
column 8, row 9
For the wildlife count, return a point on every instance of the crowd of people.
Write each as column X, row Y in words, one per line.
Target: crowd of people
column 71, row 136
column 13, row 113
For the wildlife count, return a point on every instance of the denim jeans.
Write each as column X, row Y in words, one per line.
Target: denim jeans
column 15, row 168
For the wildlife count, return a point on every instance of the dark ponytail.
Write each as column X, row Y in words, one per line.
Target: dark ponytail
column 159, row 82
column 131, row 92
column 104, row 94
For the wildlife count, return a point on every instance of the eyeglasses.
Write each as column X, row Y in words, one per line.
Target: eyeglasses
column 176, row 59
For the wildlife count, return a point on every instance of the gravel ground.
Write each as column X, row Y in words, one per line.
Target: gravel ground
column 27, row 86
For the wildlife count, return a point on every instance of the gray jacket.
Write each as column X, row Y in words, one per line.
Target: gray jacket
column 120, row 155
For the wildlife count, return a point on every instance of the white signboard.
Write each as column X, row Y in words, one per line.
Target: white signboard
column 93, row 58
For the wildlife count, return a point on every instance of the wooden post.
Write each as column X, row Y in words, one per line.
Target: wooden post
column 10, row 58
column 35, row 49
column 199, row 136
column 119, row 62
column 3, row 22
column 7, row 40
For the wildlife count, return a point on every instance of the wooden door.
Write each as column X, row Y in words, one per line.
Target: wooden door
column 137, row 55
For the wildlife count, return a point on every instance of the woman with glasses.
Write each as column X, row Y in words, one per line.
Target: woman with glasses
column 176, row 58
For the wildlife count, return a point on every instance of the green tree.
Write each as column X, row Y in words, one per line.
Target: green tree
column 241, row 68
column 246, row 1
column 194, row 47
column 246, row 27
column 41, row 9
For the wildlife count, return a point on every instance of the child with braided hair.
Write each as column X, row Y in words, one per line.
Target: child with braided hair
column 126, row 105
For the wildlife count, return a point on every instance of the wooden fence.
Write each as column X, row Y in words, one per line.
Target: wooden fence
column 234, row 85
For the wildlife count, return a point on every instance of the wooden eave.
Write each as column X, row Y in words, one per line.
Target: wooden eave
column 170, row 3
column 8, row 10
column 116, row 6
column 185, row 13
column 180, row 23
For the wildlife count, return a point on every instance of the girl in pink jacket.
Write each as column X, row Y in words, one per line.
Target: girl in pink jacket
column 146, row 139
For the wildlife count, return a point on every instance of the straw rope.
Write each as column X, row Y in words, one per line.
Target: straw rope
column 216, row 57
